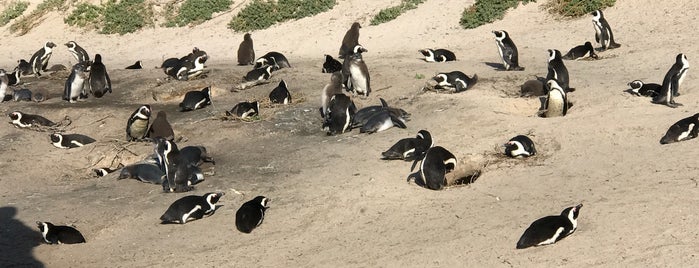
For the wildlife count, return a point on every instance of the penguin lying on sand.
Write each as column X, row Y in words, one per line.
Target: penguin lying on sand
column 54, row 234
column 410, row 148
column 550, row 229
column 191, row 207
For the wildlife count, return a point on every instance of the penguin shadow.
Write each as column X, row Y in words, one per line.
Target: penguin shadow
column 17, row 241
column 496, row 66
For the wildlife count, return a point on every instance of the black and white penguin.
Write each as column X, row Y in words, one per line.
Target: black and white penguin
column 556, row 101
column 638, row 88
column 331, row 89
column 437, row 55
column 581, row 51
column 508, row 51
column 356, row 73
column 362, row 116
column 10, row 79
column 672, row 81
column 40, row 60
column 532, row 88
column 135, row 66
column 78, row 52
column 685, row 129
column 410, row 148
column 101, row 172
column 4, row 83
column 381, row 121
column 74, row 87
column 251, row 214
column 331, row 65
column 144, row 172
column 187, row 67
column 180, row 174
column 191, row 207
column 456, row 81
column 196, row 100
column 436, row 163
column 99, row 79
column 23, row 120
column 258, row 74
column 550, row 229
column 22, row 94
column 196, row 155
column 161, row 127
column 244, row 109
column 280, row 94
column 246, row 52
column 557, row 70
column 520, row 146
column 24, row 67
column 69, row 141
column 338, row 119
column 59, row 234
column 137, row 125
column 350, row 40
column 603, row 33
column 275, row 59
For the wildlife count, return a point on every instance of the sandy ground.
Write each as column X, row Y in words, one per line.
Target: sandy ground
column 334, row 202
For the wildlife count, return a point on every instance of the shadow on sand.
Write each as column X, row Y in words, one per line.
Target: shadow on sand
column 16, row 241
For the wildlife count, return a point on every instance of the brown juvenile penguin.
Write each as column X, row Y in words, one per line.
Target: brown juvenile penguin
column 246, row 53
column 350, row 40
column 161, row 127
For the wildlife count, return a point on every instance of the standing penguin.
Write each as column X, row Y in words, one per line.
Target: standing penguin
column 246, row 52
column 603, row 33
column 161, row 127
column 196, row 100
column 59, row 234
column 338, row 120
column 557, row 70
column 251, row 214
column 99, row 79
column 137, row 125
column 556, row 102
column 75, row 84
column 40, row 60
column 330, row 90
column 685, row 129
column 508, row 51
column 550, row 229
column 520, row 146
column 191, row 207
column 581, row 51
column 180, row 174
column 78, row 52
column 410, row 148
column 280, row 94
column 436, row 163
column 672, row 81
column 350, row 41
column 356, row 73
column 4, row 83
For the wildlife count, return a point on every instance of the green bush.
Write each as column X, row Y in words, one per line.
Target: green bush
column 126, row 16
column 196, row 12
column 22, row 25
column 577, row 8
column 487, row 11
column 391, row 13
column 261, row 14
column 85, row 15
column 12, row 11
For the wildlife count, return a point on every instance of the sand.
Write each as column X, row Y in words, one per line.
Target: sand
column 334, row 202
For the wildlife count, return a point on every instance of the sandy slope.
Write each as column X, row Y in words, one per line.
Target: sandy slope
column 334, row 203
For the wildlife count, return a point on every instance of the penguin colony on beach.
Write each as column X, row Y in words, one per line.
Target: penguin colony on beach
column 179, row 170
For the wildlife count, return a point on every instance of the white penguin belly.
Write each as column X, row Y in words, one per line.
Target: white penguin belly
column 76, row 87
column 385, row 125
column 685, row 135
column 359, row 82
column 555, row 105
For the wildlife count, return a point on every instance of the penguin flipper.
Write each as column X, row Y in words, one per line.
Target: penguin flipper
column 109, row 82
column 398, row 122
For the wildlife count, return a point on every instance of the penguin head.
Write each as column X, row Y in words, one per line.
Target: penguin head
column 635, row 85
column 440, row 78
column 56, row 138
column 143, row 112
column 162, row 115
column 98, row 58
column 50, row 44
column 212, row 198
column 282, row 84
column 682, row 59
column 100, row 172
column 359, row 49
column 597, row 14
column 554, row 54
column 425, row 135
column 3, row 72
column 247, row 36
column 426, row 52
column 500, row 35
column 260, row 62
column 44, row 226
column 207, row 91
column 16, row 115
column 356, row 25
column 572, row 212
column 263, row 201
column 71, row 45
column 336, row 77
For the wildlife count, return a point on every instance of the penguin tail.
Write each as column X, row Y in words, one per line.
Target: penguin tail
column 474, row 80
column 390, row 155
column 614, row 45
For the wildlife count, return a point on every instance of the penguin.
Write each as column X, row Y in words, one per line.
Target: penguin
column 99, row 79
column 456, row 79
column 180, row 174
column 508, row 51
column 59, row 234
column 135, row 66
column 362, row 116
column 437, row 55
column 436, row 163
column 4, row 83
column 196, row 155
column 40, row 60
column 331, row 65
column 251, row 214
column 603, row 33
column 520, row 146
column 191, row 207
column 22, row 120
column 350, row 40
column 102, row 172
column 532, row 88
column 331, row 89
column 161, row 127
column 144, row 172
column 638, row 88
column 557, row 70
column 137, row 125
column 258, row 74
column 187, row 67
column 74, row 86
column 410, row 148
column 356, row 73
column 550, row 229
column 685, row 129
column 556, row 101
column 246, row 52
column 14, row 78
column 276, row 59
column 23, row 67
column 381, row 121
column 22, row 95
column 280, row 94
column 69, row 141
column 196, row 100
column 672, row 81
column 244, row 110
column 582, row 51
column 38, row 97
column 78, row 52
column 339, row 117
